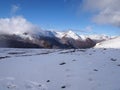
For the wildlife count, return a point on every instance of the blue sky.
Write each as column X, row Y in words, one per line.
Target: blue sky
column 78, row 15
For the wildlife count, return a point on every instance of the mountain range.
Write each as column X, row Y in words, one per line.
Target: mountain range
column 50, row 39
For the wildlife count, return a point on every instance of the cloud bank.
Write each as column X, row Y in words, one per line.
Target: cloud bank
column 16, row 25
column 104, row 11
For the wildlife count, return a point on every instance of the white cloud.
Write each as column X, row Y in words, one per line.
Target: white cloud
column 14, row 9
column 105, row 11
column 16, row 25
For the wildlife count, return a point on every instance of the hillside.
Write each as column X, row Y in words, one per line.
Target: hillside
column 111, row 43
column 45, row 39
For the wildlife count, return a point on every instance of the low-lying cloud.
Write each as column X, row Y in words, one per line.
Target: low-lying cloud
column 104, row 11
column 16, row 25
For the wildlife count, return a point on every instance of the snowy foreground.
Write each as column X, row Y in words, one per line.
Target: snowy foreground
column 43, row 69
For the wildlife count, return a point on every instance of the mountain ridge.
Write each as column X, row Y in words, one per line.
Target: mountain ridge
column 46, row 39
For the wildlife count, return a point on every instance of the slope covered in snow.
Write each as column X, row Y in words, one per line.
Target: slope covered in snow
column 68, row 34
column 56, row 69
column 48, row 33
column 45, row 39
column 96, row 38
column 111, row 43
column 71, row 34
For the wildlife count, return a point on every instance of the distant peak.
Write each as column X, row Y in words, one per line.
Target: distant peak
column 71, row 34
column 70, row 31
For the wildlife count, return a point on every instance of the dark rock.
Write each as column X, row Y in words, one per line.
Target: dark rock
column 4, row 57
column 95, row 70
column 63, row 87
column 112, row 59
column 39, row 85
column 62, row 63
column 48, row 81
column 73, row 60
column 90, row 54
column 12, row 53
column 118, row 65
column 104, row 49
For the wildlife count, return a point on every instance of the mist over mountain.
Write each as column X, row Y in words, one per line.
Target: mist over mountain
column 17, row 32
column 45, row 39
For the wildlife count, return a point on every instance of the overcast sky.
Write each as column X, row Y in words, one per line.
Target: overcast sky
column 82, row 16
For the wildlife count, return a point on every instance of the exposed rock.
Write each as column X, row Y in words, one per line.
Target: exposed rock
column 62, row 63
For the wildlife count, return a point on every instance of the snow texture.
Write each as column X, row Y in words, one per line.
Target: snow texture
column 56, row 69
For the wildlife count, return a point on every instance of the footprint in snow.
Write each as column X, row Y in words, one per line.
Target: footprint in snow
column 28, row 85
column 11, row 86
column 94, row 51
column 8, row 82
column 73, row 60
column 67, row 70
column 68, row 75
column 90, row 79
column 90, row 54
column 35, row 85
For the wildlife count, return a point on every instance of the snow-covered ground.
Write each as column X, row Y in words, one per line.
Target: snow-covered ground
column 56, row 69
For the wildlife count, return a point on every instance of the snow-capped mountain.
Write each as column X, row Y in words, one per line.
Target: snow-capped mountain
column 96, row 38
column 111, row 43
column 46, row 39
column 55, row 39
column 67, row 34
